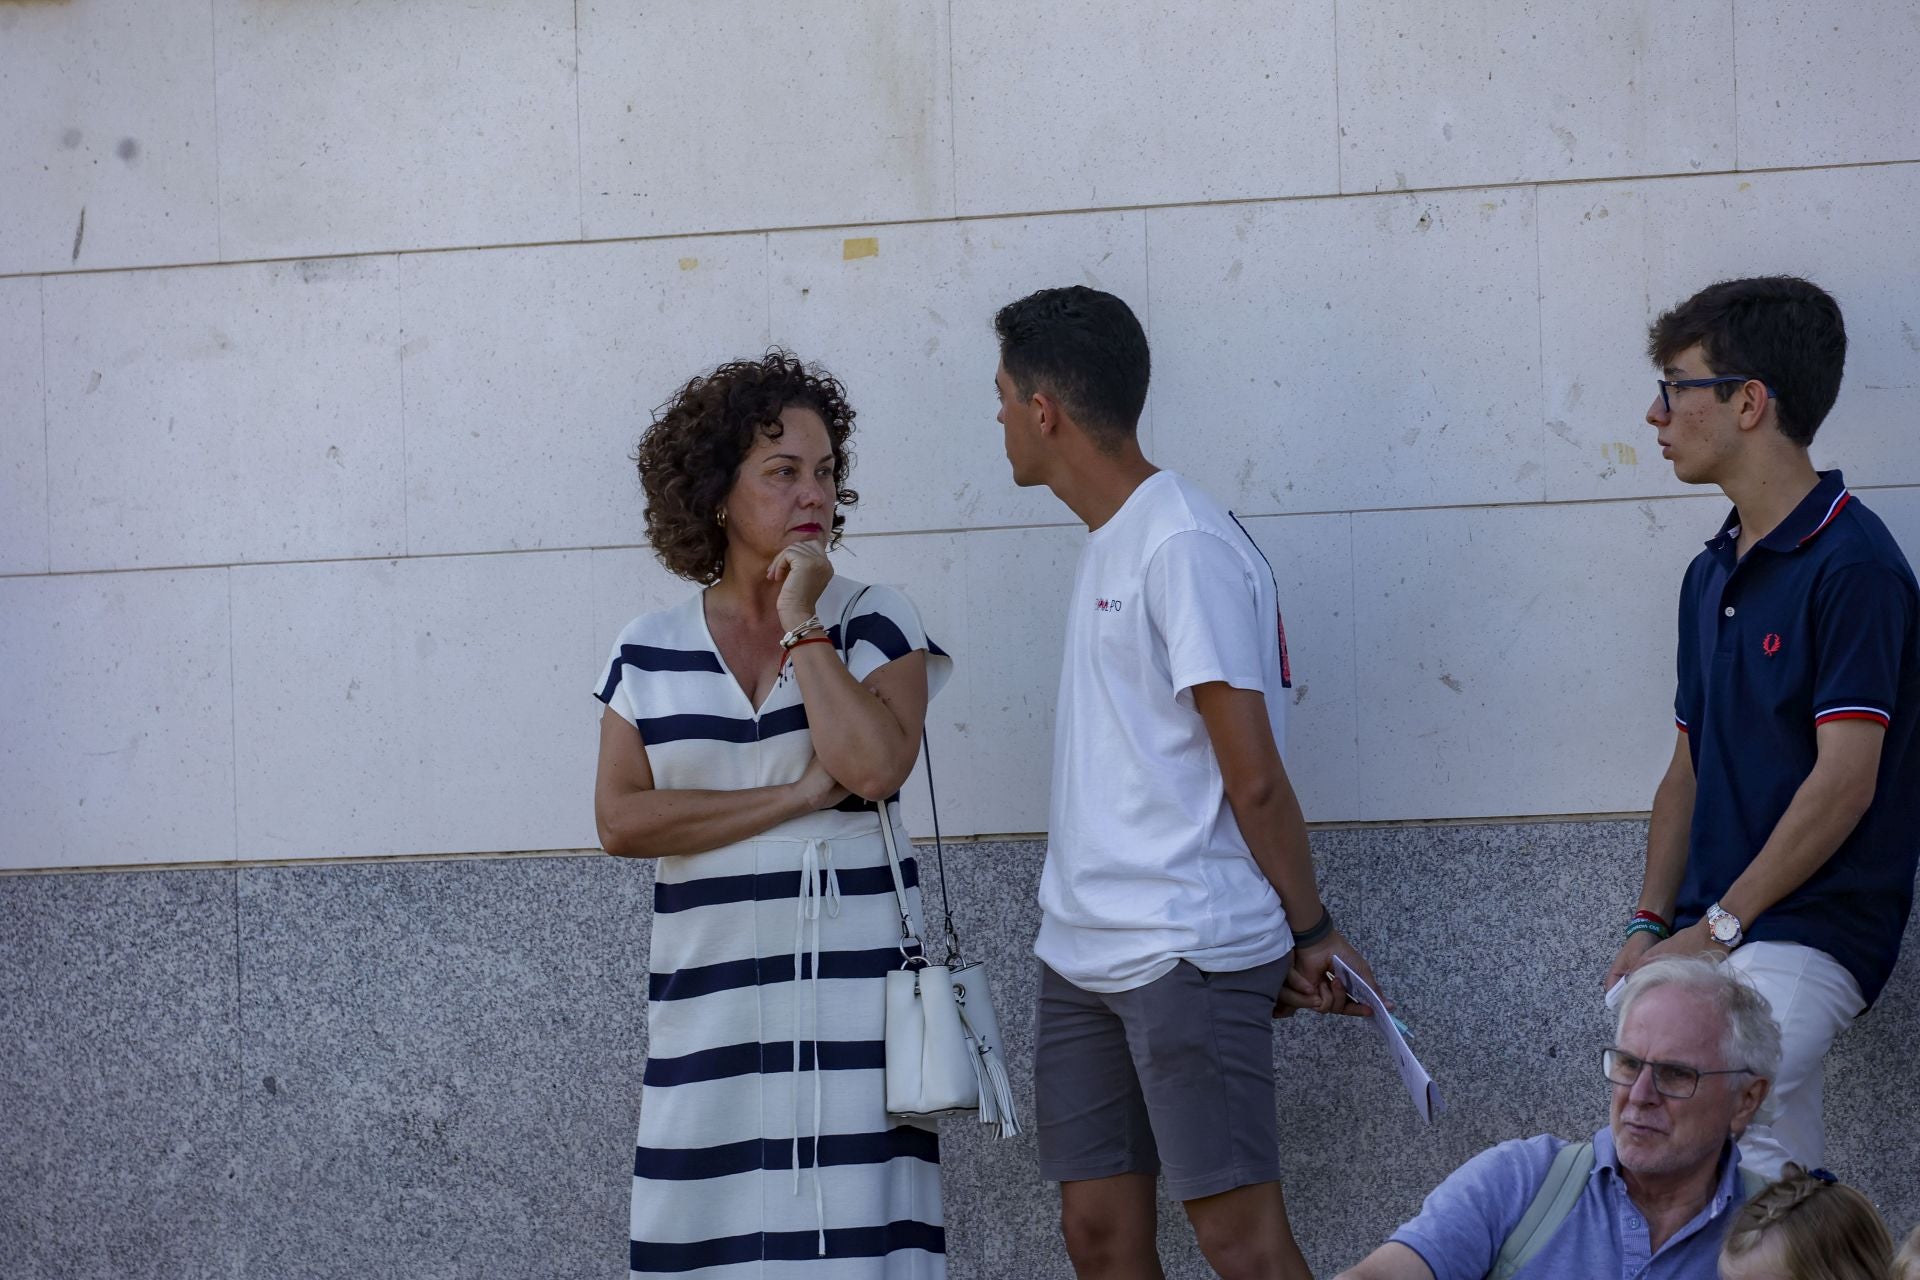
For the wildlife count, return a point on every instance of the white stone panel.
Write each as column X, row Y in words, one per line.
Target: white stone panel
column 1494, row 91
column 627, row 582
column 23, row 431
column 347, row 127
column 1826, row 83
column 430, row 705
column 1328, row 355
column 1086, row 105
column 903, row 316
column 530, row 373
column 1900, row 508
column 224, row 414
column 117, row 700
column 1519, row 660
column 709, row 117
column 1312, row 559
column 1614, row 255
column 109, row 156
column 1018, row 584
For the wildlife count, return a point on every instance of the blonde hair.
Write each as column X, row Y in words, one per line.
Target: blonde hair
column 1906, row 1263
column 1827, row 1230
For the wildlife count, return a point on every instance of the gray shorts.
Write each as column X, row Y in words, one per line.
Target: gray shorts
column 1178, row 1072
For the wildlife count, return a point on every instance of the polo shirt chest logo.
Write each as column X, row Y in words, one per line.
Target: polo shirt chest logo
column 1106, row 605
column 1771, row 645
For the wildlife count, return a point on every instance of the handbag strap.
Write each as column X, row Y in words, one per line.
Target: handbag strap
column 954, row 954
column 910, row 946
column 909, row 942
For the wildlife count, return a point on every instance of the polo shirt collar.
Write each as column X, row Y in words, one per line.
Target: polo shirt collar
column 1726, row 1191
column 1815, row 512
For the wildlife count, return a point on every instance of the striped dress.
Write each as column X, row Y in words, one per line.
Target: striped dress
column 767, row 953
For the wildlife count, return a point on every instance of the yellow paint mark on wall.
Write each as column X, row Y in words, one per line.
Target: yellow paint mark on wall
column 1624, row 454
column 1746, row 186
column 688, row 264
column 860, row 247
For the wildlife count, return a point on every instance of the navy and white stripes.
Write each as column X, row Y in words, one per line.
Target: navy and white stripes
column 764, row 1149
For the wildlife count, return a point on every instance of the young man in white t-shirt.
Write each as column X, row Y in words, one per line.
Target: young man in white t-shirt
column 1179, row 911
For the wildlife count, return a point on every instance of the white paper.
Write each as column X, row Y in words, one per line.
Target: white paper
column 1615, row 991
column 1420, row 1086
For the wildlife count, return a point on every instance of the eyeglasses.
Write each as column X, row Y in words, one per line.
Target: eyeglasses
column 1665, row 383
column 1670, row 1079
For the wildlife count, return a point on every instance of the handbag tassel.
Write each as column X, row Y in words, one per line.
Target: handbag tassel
column 996, row 1091
column 996, row 1097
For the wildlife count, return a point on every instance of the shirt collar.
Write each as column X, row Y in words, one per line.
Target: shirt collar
column 1726, row 1190
column 1815, row 512
column 1604, row 1154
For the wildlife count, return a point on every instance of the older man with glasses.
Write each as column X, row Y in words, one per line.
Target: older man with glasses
column 1650, row 1197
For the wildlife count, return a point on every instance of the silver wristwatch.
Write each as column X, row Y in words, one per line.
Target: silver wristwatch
column 1724, row 927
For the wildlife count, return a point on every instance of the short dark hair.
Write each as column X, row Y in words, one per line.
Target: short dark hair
column 1783, row 330
column 1085, row 349
column 690, row 453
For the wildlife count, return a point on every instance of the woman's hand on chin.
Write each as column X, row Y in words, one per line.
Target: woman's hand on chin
column 803, row 572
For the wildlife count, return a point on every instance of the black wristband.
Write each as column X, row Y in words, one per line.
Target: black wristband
column 1307, row 937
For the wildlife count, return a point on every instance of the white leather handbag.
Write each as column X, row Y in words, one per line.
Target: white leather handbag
column 943, row 1041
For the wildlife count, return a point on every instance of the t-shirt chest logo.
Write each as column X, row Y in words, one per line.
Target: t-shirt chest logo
column 1771, row 644
column 1107, row 604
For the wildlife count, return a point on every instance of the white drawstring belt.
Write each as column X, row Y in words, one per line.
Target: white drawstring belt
column 819, row 883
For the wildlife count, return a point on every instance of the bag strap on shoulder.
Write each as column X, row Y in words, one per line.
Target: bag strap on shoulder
column 1566, row 1179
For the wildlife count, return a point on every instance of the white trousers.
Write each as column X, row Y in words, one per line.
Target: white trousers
column 1814, row 999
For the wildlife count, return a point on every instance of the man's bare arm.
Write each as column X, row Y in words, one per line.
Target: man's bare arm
column 1268, row 814
column 1668, row 832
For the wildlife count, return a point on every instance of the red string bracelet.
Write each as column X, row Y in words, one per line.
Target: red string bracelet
column 786, row 659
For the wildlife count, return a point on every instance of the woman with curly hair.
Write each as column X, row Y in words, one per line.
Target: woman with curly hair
column 753, row 740
column 1807, row 1226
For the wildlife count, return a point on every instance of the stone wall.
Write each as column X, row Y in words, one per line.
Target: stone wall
column 429, row 1071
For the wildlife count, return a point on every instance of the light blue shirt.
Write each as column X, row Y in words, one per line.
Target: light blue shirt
column 1468, row 1217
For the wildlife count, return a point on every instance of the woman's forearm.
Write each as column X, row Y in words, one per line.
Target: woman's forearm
column 858, row 737
column 656, row 823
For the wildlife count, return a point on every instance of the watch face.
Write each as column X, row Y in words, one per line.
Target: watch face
column 1724, row 928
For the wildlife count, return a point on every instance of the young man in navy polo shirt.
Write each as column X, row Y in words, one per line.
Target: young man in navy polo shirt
column 1785, row 832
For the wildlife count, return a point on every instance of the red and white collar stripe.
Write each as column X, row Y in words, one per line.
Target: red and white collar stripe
column 1846, row 496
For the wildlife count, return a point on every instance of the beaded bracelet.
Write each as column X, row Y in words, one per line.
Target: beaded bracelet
column 809, row 627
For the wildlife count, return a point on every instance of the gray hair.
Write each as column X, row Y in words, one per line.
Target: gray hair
column 1752, row 1037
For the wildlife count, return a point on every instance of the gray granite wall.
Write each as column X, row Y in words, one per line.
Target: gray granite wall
column 428, row 1070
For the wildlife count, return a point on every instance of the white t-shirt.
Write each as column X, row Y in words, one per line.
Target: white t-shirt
column 1145, row 863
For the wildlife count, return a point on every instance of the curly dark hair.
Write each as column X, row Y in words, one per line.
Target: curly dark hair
column 689, row 455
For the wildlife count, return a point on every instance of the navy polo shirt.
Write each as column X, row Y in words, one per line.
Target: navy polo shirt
column 1820, row 622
